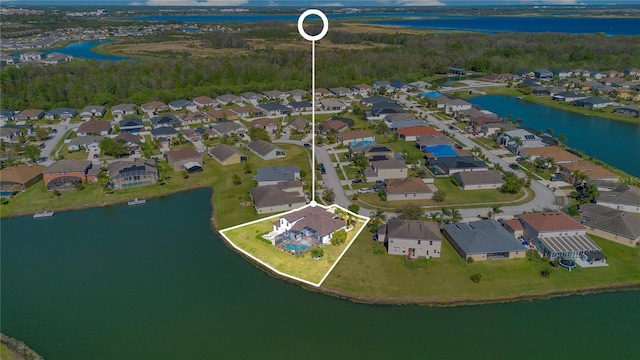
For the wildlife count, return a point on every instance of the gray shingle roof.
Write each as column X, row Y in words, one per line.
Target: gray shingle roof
column 483, row 236
column 411, row 229
column 262, row 147
column 223, row 152
column 611, row 220
column 278, row 173
column 273, row 195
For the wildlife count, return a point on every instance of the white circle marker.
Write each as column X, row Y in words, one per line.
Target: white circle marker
column 313, row 203
column 325, row 24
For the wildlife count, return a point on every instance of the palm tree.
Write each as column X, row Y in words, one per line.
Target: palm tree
column 455, row 215
column 562, row 138
column 578, row 177
column 550, row 131
column 378, row 216
column 591, row 193
column 495, row 209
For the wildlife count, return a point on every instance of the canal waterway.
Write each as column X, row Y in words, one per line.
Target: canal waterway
column 155, row 282
column 614, row 142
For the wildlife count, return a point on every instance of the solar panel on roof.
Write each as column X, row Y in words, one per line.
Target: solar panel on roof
column 529, row 137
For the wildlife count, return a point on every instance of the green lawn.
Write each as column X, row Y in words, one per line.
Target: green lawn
column 227, row 199
column 455, row 196
column 447, row 279
column 74, row 155
column 5, row 353
column 303, row 267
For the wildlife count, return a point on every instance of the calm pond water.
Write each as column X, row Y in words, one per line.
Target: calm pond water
column 84, row 49
column 154, row 282
column 614, row 142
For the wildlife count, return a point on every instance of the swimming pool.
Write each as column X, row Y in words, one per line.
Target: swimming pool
column 442, row 150
column 296, row 248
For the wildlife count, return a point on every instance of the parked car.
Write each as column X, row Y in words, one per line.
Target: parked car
column 514, row 166
column 458, row 146
column 365, row 190
column 42, row 146
column 55, row 131
column 356, row 181
column 307, row 145
column 520, row 159
column 322, row 169
column 95, row 156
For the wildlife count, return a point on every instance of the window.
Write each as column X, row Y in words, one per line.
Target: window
column 419, row 242
column 430, row 242
column 427, row 252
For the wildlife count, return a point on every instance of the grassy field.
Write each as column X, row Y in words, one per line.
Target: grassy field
column 227, row 200
column 5, row 353
column 303, row 267
column 446, row 280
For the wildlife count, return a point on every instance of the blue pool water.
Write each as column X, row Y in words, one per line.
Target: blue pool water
column 441, row 150
column 296, row 247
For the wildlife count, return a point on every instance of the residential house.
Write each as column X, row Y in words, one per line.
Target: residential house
column 407, row 189
column 153, row 107
column 483, row 240
column 455, row 105
column 275, row 95
column 558, row 236
column 94, row 127
column 411, row 238
column 382, row 108
column 615, row 225
column 186, row 158
column 559, row 155
column 131, row 141
column 370, row 101
column 624, row 197
column 227, row 155
column 92, row 111
column 332, row 105
column 65, row 174
column 425, row 141
column 562, row 74
column 131, row 125
column 127, row 174
column 167, row 120
column 56, row 58
column 272, row 175
column 479, row 180
column 30, row 56
column 252, row 97
column 334, row 125
column 382, row 86
column 378, row 152
column 268, row 124
column 568, row 96
column 362, row 89
column 248, row 111
column 390, row 118
column 411, row 133
column 18, row 178
column 164, row 133
column 266, row 150
column 61, row 113
column 298, row 124
column 12, row 133
column 298, row 94
column 228, row 99
column 401, row 124
column 626, row 94
column 122, row 110
column 29, row 114
column 322, row 92
column 341, row 91
column 181, row 104
column 419, row 85
column 629, row 110
column 192, row 135
column 314, row 225
column 222, row 114
column 84, row 142
column 453, row 164
column 228, row 128
column 542, row 74
column 514, row 227
column 494, row 128
column 195, row 117
column 386, row 169
column 204, row 101
column 286, row 195
column 591, row 170
column 593, row 103
column 6, row 115
column 499, row 78
column 356, row 137
column 301, row 106
column 511, row 139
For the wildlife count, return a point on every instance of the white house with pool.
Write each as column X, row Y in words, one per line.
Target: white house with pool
column 302, row 230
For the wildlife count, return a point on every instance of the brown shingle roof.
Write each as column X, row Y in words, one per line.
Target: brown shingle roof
column 20, row 173
column 550, row 221
column 316, row 218
column 418, row 131
column 182, row 154
column 407, row 185
column 554, row 152
column 354, row 134
column 68, row 165
column 223, row 152
column 411, row 229
column 93, row 126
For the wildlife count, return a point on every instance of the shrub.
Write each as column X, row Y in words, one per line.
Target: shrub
column 354, row 208
column 317, row 252
column 455, row 181
column 439, row 196
column 470, row 260
column 4, row 201
column 339, row 237
column 79, row 186
column 185, row 174
column 476, row 277
column 545, row 273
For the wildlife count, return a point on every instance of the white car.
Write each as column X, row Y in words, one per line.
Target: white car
column 365, row 190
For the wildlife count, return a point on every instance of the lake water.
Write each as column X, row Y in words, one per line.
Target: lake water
column 490, row 24
column 84, row 49
column 614, row 142
column 155, row 282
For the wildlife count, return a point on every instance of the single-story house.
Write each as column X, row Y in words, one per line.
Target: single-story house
column 222, row 114
column 297, row 94
column 252, row 97
column 362, row 89
column 483, row 240
column 229, row 98
column 266, row 150
column 181, row 104
column 248, row 111
column 301, row 106
column 556, row 235
column 412, row 133
column 12, row 133
column 334, row 125
column 65, row 174
column 94, row 127
column 298, row 124
column 61, row 113
column 204, row 101
column 186, row 158
column 151, row 108
column 355, row 137
column 268, row 124
column 275, row 109
column 616, row 225
column 164, row 132
column 624, row 197
column 332, row 105
column 454, row 164
column 131, row 125
column 121, row 110
column 84, row 142
column 313, row 224
column 127, row 174
column 322, row 92
column 227, row 155
column 370, row 101
column 568, row 96
column 341, row 91
column 479, row 180
column 425, row 141
column 407, row 189
column 192, row 135
column 132, row 141
column 18, row 178
column 93, row 111
column 378, row 152
column 510, row 140
column 411, row 238
column 593, row 171
column 195, row 117
column 275, row 95
column 559, row 155
column 593, row 102
column 29, row 114
column 167, row 120
column 272, row 175
column 284, row 196
column 542, row 73
column 386, row 169
column 228, row 128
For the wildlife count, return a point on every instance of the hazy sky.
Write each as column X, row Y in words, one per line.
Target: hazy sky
column 310, row 3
